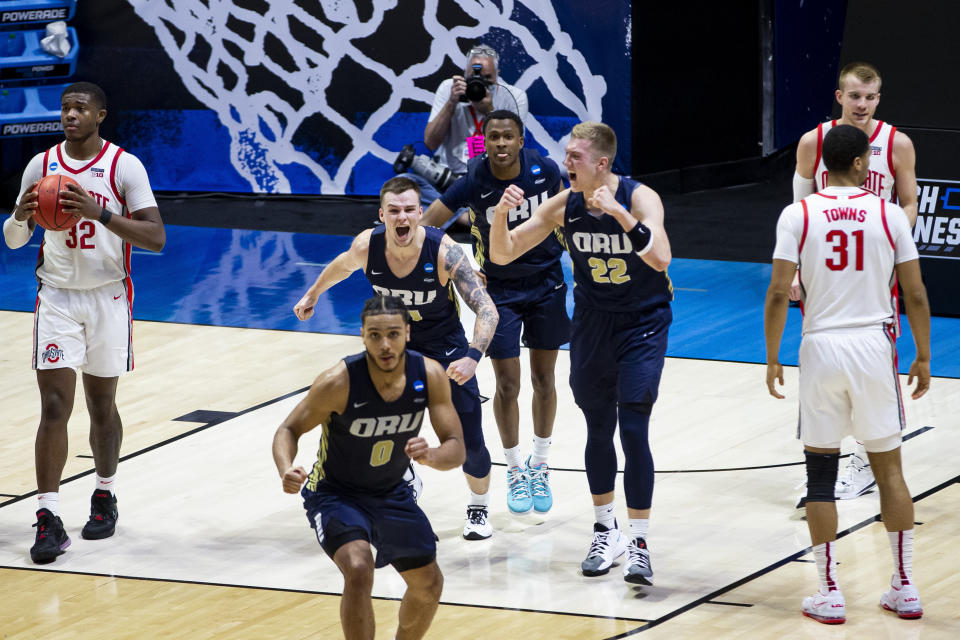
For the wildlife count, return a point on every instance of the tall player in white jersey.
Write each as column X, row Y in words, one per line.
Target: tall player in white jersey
column 84, row 296
column 892, row 176
column 851, row 248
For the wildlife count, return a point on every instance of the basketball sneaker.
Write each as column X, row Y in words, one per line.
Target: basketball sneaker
column 827, row 608
column 856, row 478
column 637, row 570
column 478, row 525
column 103, row 516
column 540, row 486
column 414, row 481
column 905, row 601
column 519, row 499
column 51, row 540
column 607, row 546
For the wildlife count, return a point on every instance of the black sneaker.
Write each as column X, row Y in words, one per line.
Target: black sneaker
column 103, row 516
column 51, row 539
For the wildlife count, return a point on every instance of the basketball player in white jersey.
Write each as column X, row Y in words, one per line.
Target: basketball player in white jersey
column 892, row 176
column 851, row 248
column 84, row 295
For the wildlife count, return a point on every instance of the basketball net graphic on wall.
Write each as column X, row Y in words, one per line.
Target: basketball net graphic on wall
column 284, row 82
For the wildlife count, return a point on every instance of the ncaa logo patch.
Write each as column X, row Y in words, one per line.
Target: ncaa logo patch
column 418, row 385
column 52, row 167
column 52, row 353
column 535, row 169
column 428, row 267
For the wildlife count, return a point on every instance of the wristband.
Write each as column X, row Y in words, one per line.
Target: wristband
column 641, row 238
column 105, row 217
column 474, row 354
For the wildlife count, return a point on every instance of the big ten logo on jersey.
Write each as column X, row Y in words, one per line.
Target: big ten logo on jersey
column 410, row 298
column 874, row 182
column 380, row 426
column 937, row 231
column 521, row 213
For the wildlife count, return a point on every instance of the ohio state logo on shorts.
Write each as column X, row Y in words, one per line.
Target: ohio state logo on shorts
column 53, row 353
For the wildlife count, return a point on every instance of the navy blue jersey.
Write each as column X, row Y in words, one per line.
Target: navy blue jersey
column 434, row 309
column 539, row 178
column 362, row 449
column 607, row 272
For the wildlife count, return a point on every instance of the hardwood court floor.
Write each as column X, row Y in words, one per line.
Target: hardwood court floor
column 209, row 547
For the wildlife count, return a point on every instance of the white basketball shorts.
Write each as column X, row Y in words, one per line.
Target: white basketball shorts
column 849, row 386
column 86, row 329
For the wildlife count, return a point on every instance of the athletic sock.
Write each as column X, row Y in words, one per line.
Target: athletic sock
column 106, row 483
column 639, row 527
column 49, row 500
column 901, row 544
column 606, row 515
column 479, row 499
column 541, row 449
column 513, row 456
column 826, row 566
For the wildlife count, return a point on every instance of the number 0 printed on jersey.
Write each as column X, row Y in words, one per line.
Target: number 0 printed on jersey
column 609, row 271
column 382, row 450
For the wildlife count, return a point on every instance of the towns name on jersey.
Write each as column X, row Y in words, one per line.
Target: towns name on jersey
column 28, row 128
column 33, row 15
column 937, row 231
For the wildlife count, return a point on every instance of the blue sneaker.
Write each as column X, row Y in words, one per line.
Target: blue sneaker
column 540, row 486
column 519, row 499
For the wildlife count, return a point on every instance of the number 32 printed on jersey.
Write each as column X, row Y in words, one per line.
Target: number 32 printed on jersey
column 84, row 239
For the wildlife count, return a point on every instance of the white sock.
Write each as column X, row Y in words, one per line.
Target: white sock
column 826, row 566
column 106, row 483
column 50, row 501
column 513, row 456
column 639, row 527
column 606, row 515
column 541, row 449
column 479, row 499
column 901, row 544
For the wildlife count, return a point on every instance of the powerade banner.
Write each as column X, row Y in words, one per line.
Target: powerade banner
column 319, row 96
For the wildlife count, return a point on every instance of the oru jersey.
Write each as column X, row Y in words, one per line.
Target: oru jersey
column 89, row 255
column 608, row 273
column 362, row 449
column 882, row 177
column 847, row 242
column 539, row 178
column 433, row 308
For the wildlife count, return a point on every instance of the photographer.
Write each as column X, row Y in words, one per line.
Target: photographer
column 458, row 111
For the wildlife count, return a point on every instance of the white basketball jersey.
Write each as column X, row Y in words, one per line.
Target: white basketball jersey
column 882, row 177
column 87, row 256
column 847, row 242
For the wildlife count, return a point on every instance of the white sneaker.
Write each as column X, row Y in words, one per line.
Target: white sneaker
column 478, row 525
column 828, row 609
column 855, row 479
column 905, row 601
column 607, row 546
column 414, row 481
column 638, row 570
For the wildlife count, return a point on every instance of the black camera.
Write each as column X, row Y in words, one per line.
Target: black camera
column 437, row 174
column 476, row 85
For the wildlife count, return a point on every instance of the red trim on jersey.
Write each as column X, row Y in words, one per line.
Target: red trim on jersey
column 806, row 223
column 46, row 162
column 876, row 131
column 883, row 216
column 63, row 164
column 819, row 148
column 893, row 171
column 890, row 330
column 113, row 180
column 863, row 192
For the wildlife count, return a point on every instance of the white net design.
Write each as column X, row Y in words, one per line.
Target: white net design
column 262, row 125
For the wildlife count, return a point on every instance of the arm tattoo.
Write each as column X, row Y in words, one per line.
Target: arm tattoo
column 473, row 293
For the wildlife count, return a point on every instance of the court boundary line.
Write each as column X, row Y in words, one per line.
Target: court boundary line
column 772, row 567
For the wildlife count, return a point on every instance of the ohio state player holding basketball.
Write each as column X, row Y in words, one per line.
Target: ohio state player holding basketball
column 851, row 247
column 84, row 297
column 892, row 176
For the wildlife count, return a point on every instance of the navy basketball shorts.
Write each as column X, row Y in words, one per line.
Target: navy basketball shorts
column 617, row 357
column 535, row 305
column 391, row 522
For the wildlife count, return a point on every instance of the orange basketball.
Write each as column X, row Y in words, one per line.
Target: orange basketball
column 49, row 215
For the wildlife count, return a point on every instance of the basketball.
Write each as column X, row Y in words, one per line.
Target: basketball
column 49, row 214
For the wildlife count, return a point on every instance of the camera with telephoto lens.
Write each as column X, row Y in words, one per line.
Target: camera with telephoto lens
column 438, row 175
column 476, row 85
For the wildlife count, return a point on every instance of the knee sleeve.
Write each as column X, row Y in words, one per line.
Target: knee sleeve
column 822, row 476
column 638, row 469
column 477, row 462
column 600, row 456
